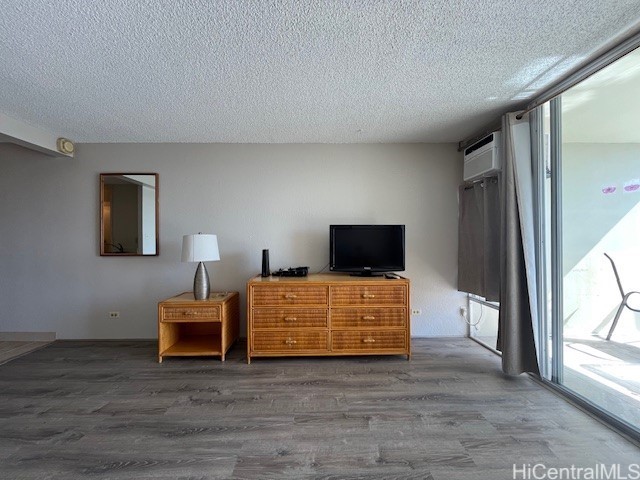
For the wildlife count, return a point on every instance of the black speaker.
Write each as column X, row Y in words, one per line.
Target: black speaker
column 265, row 263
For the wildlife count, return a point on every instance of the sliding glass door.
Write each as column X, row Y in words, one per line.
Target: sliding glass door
column 591, row 218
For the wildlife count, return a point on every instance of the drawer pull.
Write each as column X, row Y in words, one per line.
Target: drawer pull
column 368, row 317
column 190, row 313
column 290, row 296
column 290, row 319
column 368, row 295
column 288, row 341
column 368, row 340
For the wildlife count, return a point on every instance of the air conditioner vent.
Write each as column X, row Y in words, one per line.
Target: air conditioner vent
column 483, row 158
column 479, row 144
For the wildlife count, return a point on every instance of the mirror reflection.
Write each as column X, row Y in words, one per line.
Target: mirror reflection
column 129, row 214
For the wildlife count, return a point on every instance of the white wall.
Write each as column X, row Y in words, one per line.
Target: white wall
column 594, row 223
column 147, row 222
column 589, row 215
column 280, row 197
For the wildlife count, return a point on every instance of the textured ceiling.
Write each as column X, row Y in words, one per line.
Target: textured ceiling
column 288, row 71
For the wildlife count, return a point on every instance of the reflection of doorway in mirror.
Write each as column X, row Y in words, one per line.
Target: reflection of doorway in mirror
column 120, row 217
column 129, row 214
column 106, row 218
column 124, row 218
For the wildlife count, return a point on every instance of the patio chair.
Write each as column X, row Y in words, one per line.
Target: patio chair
column 623, row 302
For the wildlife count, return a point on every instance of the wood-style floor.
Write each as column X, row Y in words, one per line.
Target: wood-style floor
column 80, row 409
column 12, row 349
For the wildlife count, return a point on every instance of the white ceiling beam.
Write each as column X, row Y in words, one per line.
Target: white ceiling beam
column 34, row 138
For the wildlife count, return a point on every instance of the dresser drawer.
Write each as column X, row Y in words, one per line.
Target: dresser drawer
column 289, row 318
column 369, row 295
column 271, row 295
column 368, row 318
column 190, row 314
column 290, row 341
column 362, row 341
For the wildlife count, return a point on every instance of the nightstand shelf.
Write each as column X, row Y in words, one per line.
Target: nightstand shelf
column 200, row 345
column 189, row 327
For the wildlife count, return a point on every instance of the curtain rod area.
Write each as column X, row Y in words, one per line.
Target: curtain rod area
column 575, row 76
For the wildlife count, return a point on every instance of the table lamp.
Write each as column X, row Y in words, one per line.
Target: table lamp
column 200, row 247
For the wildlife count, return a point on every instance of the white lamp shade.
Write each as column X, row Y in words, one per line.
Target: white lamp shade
column 200, row 247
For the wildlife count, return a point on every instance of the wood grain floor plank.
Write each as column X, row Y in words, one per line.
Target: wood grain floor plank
column 99, row 409
column 13, row 349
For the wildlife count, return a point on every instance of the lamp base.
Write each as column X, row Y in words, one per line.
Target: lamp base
column 201, row 286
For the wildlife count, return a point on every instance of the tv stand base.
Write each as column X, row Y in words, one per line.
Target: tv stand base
column 327, row 315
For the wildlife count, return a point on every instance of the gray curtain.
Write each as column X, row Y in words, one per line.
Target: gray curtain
column 471, row 239
column 479, row 239
column 492, row 239
column 516, row 338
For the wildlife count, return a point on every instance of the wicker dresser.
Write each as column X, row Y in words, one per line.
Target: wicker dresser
column 327, row 314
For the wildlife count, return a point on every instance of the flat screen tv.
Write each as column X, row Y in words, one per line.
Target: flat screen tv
column 366, row 249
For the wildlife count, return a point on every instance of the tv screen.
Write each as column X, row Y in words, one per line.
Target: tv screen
column 364, row 249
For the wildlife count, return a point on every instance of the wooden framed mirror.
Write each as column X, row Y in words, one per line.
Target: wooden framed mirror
column 129, row 214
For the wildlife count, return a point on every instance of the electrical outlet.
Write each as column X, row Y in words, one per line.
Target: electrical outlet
column 114, row 314
column 463, row 312
column 416, row 311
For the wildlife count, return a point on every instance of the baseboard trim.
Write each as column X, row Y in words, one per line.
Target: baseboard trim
column 27, row 336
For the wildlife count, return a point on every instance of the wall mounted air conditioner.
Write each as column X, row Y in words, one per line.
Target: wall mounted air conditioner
column 483, row 158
